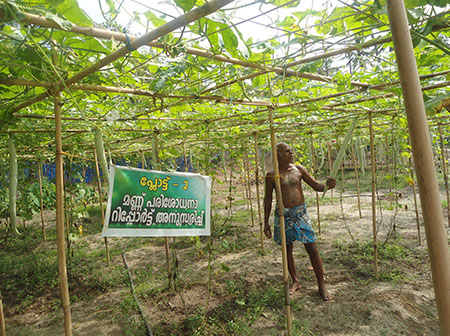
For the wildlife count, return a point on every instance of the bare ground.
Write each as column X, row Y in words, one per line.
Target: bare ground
column 400, row 303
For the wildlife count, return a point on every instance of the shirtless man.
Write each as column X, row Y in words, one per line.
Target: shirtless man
column 297, row 221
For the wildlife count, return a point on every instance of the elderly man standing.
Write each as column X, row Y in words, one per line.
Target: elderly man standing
column 297, row 221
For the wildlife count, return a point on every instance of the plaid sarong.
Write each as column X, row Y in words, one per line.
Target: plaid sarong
column 297, row 225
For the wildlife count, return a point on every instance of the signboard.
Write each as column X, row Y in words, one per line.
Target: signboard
column 151, row 203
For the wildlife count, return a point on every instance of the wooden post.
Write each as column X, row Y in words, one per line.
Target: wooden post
column 60, row 218
column 100, row 192
column 157, row 160
column 258, row 199
column 411, row 171
column 142, row 159
column 314, row 173
column 374, row 206
column 249, row 186
column 2, row 317
column 355, row 167
column 330, row 162
column 388, row 169
column 41, row 199
column 424, row 161
column 444, row 168
column 186, row 168
column 282, row 227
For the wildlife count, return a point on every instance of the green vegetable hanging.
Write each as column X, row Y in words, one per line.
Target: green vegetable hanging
column 101, row 154
column 12, row 185
column 341, row 154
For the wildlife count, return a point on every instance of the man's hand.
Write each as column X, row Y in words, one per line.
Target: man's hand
column 267, row 231
column 331, row 182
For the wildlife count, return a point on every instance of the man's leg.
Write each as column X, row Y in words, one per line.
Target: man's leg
column 316, row 262
column 291, row 267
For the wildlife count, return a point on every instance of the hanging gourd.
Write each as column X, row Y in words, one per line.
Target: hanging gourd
column 101, row 153
column 341, row 154
column 12, row 185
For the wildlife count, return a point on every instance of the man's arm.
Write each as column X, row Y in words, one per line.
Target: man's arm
column 268, row 194
column 331, row 182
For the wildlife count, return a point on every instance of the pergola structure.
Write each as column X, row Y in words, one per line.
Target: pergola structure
column 200, row 80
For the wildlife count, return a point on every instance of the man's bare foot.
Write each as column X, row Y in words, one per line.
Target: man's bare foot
column 295, row 287
column 325, row 294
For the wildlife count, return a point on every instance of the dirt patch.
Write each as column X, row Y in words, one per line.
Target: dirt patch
column 401, row 303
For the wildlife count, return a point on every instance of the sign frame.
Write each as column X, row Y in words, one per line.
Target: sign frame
column 147, row 183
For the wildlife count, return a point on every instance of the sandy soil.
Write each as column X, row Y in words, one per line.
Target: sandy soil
column 361, row 305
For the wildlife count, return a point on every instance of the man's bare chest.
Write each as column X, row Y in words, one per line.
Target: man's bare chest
column 291, row 177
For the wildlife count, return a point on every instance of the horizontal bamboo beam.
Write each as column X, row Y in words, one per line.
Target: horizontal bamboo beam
column 106, row 34
column 179, row 22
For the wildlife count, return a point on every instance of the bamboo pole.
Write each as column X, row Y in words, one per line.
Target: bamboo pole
column 411, row 172
column 2, row 317
column 330, row 161
column 282, row 227
column 314, row 173
column 424, row 161
column 186, row 168
column 60, row 218
column 106, row 34
column 355, row 167
column 100, row 193
column 258, row 197
column 41, row 199
column 179, row 22
column 143, row 159
column 444, row 168
column 374, row 207
column 250, row 199
column 157, row 160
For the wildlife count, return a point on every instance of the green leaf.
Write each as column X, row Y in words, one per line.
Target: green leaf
column 225, row 267
column 64, row 24
column 437, row 104
column 301, row 15
column 186, row 5
column 283, row 2
column 70, row 10
column 240, row 302
column 155, row 20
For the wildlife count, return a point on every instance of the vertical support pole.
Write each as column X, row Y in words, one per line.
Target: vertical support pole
column 60, row 218
column 157, row 160
column 374, row 206
column 355, row 167
column 388, row 168
column 249, row 185
column 444, row 168
column 186, row 168
column 41, row 199
column 100, row 194
column 424, row 161
column 411, row 171
column 2, row 318
column 282, row 227
column 330, row 162
column 258, row 197
column 314, row 173
column 143, row 159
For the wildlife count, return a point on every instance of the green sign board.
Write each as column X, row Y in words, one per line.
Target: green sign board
column 153, row 203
